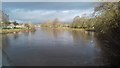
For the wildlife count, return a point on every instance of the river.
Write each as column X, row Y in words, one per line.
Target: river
column 54, row 47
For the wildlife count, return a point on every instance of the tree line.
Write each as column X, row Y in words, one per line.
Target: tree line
column 104, row 19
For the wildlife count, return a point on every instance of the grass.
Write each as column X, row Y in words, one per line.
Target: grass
column 3, row 31
column 69, row 28
column 65, row 28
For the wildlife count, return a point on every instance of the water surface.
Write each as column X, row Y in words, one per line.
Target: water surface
column 58, row 47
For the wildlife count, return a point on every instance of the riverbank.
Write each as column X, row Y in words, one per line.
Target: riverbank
column 67, row 28
column 90, row 30
column 4, row 31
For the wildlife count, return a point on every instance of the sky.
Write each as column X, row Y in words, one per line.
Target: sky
column 38, row 12
column 60, row 0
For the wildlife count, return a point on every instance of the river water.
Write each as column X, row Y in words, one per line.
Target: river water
column 54, row 47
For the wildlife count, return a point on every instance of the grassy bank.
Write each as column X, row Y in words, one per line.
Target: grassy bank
column 3, row 31
column 68, row 28
column 90, row 29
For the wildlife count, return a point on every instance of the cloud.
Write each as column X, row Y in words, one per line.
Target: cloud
column 42, row 11
column 60, row 0
column 48, row 0
column 44, row 15
column 48, row 5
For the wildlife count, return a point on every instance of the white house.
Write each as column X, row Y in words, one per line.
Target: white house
column 11, row 26
column 20, row 26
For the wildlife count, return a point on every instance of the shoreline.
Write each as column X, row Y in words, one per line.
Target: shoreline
column 5, row 31
column 71, row 29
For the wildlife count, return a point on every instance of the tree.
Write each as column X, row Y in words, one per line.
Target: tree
column 76, row 22
column 27, row 25
column 108, row 20
column 15, row 23
column 55, row 22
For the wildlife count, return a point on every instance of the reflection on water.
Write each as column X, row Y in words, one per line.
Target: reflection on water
column 54, row 47
column 110, row 48
column 0, row 50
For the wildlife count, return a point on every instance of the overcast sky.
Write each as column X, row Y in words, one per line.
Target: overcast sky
column 37, row 12
column 60, row 0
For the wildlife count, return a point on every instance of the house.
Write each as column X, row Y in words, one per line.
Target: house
column 20, row 26
column 11, row 26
